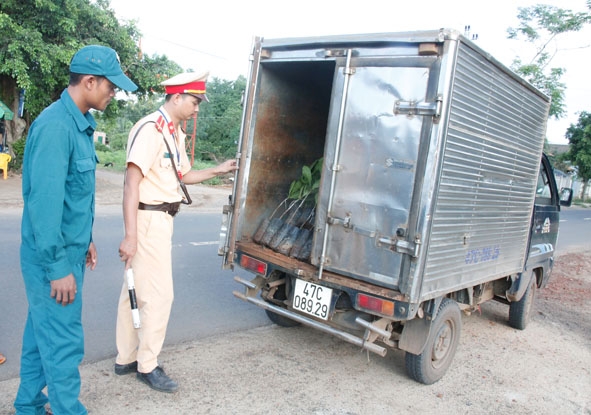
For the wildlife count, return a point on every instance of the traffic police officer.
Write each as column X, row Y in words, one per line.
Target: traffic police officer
column 156, row 163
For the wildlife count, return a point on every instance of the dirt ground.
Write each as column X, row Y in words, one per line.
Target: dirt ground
column 109, row 193
column 545, row 369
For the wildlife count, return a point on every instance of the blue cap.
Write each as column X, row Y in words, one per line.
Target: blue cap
column 101, row 61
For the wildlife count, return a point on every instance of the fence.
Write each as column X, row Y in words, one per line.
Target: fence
column 565, row 180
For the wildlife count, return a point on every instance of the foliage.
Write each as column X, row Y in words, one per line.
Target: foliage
column 561, row 162
column 308, row 183
column 149, row 71
column 579, row 154
column 18, row 148
column 100, row 147
column 218, row 123
column 549, row 83
column 117, row 158
column 117, row 128
column 39, row 37
column 541, row 25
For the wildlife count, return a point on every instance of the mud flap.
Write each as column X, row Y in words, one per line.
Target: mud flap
column 519, row 285
column 416, row 331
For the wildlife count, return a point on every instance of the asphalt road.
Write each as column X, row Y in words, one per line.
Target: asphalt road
column 204, row 304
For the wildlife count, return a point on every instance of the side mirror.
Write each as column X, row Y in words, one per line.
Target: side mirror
column 566, row 196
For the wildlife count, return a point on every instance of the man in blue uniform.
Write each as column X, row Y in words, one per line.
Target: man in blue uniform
column 56, row 241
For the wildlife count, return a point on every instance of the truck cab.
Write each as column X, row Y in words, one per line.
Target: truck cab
column 541, row 247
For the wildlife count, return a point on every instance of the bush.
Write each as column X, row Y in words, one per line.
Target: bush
column 18, row 148
column 101, row 147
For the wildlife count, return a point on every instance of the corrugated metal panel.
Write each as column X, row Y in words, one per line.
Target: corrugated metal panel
column 490, row 164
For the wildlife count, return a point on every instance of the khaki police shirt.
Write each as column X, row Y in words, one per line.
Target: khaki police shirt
column 149, row 153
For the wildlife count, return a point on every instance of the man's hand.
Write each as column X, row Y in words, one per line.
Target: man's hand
column 127, row 250
column 227, row 166
column 91, row 257
column 64, row 290
column 198, row 176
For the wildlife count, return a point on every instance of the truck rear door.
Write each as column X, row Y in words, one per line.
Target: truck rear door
column 381, row 112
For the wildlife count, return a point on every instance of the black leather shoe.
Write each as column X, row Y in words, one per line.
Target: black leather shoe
column 158, row 380
column 125, row 369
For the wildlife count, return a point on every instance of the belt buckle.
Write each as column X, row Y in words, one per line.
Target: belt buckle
column 173, row 212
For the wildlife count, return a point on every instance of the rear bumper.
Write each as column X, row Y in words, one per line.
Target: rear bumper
column 343, row 335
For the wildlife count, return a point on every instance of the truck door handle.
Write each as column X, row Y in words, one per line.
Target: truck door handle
column 402, row 246
column 346, row 223
column 411, row 108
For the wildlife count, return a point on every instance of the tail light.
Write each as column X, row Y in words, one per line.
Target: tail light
column 377, row 305
column 254, row 265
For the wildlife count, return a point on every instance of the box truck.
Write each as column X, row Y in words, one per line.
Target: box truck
column 387, row 183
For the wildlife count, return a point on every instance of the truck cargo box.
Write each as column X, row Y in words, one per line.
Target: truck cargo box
column 429, row 152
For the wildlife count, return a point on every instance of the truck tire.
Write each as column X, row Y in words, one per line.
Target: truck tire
column 280, row 320
column 444, row 336
column 520, row 311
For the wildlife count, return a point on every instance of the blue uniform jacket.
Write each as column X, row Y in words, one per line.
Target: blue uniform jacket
column 58, row 188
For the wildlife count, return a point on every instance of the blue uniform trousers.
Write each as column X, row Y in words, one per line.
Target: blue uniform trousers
column 53, row 347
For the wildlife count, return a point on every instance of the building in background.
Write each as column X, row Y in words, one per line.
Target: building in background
column 101, row 138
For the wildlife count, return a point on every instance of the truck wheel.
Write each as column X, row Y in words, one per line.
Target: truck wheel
column 280, row 320
column 430, row 366
column 520, row 311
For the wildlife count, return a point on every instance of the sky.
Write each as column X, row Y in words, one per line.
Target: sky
column 218, row 35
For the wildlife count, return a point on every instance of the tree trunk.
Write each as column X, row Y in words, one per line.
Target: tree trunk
column 584, row 192
column 16, row 127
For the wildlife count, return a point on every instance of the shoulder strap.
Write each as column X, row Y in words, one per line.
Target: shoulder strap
column 137, row 132
column 131, row 145
column 187, row 199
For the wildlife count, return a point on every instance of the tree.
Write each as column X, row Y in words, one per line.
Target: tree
column 218, row 121
column 39, row 37
column 579, row 154
column 117, row 128
column 218, row 124
column 541, row 25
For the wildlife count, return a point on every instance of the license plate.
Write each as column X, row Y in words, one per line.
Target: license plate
column 312, row 299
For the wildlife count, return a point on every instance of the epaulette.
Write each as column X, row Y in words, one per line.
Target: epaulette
column 160, row 123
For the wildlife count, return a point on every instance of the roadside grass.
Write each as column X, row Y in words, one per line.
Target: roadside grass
column 584, row 203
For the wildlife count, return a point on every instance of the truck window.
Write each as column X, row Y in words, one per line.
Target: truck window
column 543, row 194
